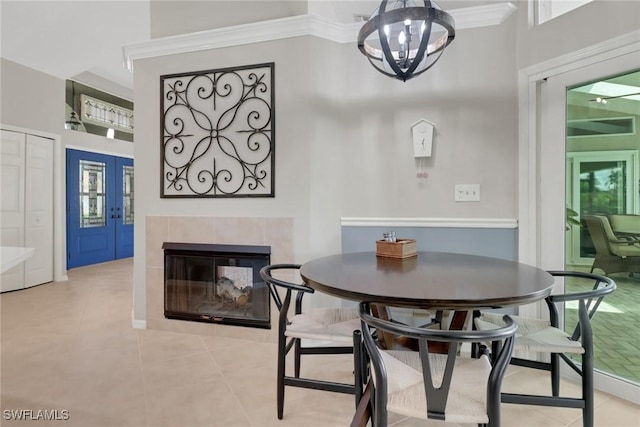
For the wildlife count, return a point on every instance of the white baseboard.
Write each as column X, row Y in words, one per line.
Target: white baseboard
column 138, row 324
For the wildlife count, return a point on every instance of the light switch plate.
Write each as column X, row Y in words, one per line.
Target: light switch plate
column 467, row 193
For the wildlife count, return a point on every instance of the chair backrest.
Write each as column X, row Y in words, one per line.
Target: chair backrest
column 625, row 223
column 436, row 396
column 290, row 288
column 606, row 225
column 588, row 300
column 598, row 232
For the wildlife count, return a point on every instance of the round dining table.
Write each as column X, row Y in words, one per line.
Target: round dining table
column 429, row 280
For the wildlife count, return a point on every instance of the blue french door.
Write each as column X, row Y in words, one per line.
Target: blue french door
column 99, row 208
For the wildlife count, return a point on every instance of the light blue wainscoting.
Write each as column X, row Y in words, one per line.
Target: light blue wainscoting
column 493, row 238
column 493, row 242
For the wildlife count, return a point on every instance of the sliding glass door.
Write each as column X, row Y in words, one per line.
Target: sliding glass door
column 589, row 163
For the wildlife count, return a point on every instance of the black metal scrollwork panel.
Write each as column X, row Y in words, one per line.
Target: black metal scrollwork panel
column 218, row 133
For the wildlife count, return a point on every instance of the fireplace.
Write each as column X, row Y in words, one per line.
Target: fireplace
column 216, row 284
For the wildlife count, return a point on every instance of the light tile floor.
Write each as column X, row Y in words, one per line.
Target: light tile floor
column 69, row 346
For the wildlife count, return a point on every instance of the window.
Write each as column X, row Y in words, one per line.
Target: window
column 608, row 126
column 549, row 9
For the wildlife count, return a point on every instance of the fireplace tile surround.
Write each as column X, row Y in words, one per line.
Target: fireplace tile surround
column 274, row 232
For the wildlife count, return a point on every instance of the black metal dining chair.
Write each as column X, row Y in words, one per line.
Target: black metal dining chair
column 334, row 325
column 429, row 385
column 548, row 337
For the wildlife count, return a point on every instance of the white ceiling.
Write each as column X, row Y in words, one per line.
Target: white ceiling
column 67, row 38
column 621, row 94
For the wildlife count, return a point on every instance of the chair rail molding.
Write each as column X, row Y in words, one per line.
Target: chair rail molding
column 303, row 25
column 430, row 222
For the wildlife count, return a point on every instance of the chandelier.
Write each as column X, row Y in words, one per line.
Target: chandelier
column 404, row 38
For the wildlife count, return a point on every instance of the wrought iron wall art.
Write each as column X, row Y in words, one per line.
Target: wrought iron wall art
column 218, row 133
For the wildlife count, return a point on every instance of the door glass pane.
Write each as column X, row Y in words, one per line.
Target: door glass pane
column 127, row 195
column 603, row 178
column 92, row 194
column 602, row 192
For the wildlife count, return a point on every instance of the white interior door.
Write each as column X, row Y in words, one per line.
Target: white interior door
column 38, row 229
column 12, row 185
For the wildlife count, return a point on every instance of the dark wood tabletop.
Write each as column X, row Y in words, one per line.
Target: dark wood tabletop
column 431, row 280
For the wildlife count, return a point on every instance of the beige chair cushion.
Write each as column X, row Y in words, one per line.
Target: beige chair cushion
column 625, row 223
column 467, row 395
column 625, row 249
column 620, row 247
column 325, row 324
column 533, row 334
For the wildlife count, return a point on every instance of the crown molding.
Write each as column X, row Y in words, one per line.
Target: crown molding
column 431, row 222
column 482, row 16
column 295, row 26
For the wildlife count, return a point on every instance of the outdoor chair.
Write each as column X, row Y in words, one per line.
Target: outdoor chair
column 614, row 254
column 334, row 325
column 548, row 337
column 426, row 384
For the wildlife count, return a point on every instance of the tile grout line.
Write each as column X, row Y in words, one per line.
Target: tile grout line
column 144, row 386
column 224, row 378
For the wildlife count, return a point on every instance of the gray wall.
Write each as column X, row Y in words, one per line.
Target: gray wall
column 31, row 99
column 170, row 17
column 343, row 134
column 474, row 109
column 34, row 100
column 588, row 25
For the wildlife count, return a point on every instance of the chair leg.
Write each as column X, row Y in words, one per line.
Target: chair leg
column 282, row 354
column 357, row 365
column 555, row 374
column 587, row 389
column 296, row 357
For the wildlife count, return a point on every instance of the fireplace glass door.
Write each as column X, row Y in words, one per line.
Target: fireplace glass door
column 207, row 284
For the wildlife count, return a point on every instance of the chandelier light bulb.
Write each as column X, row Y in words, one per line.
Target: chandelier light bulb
column 402, row 37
